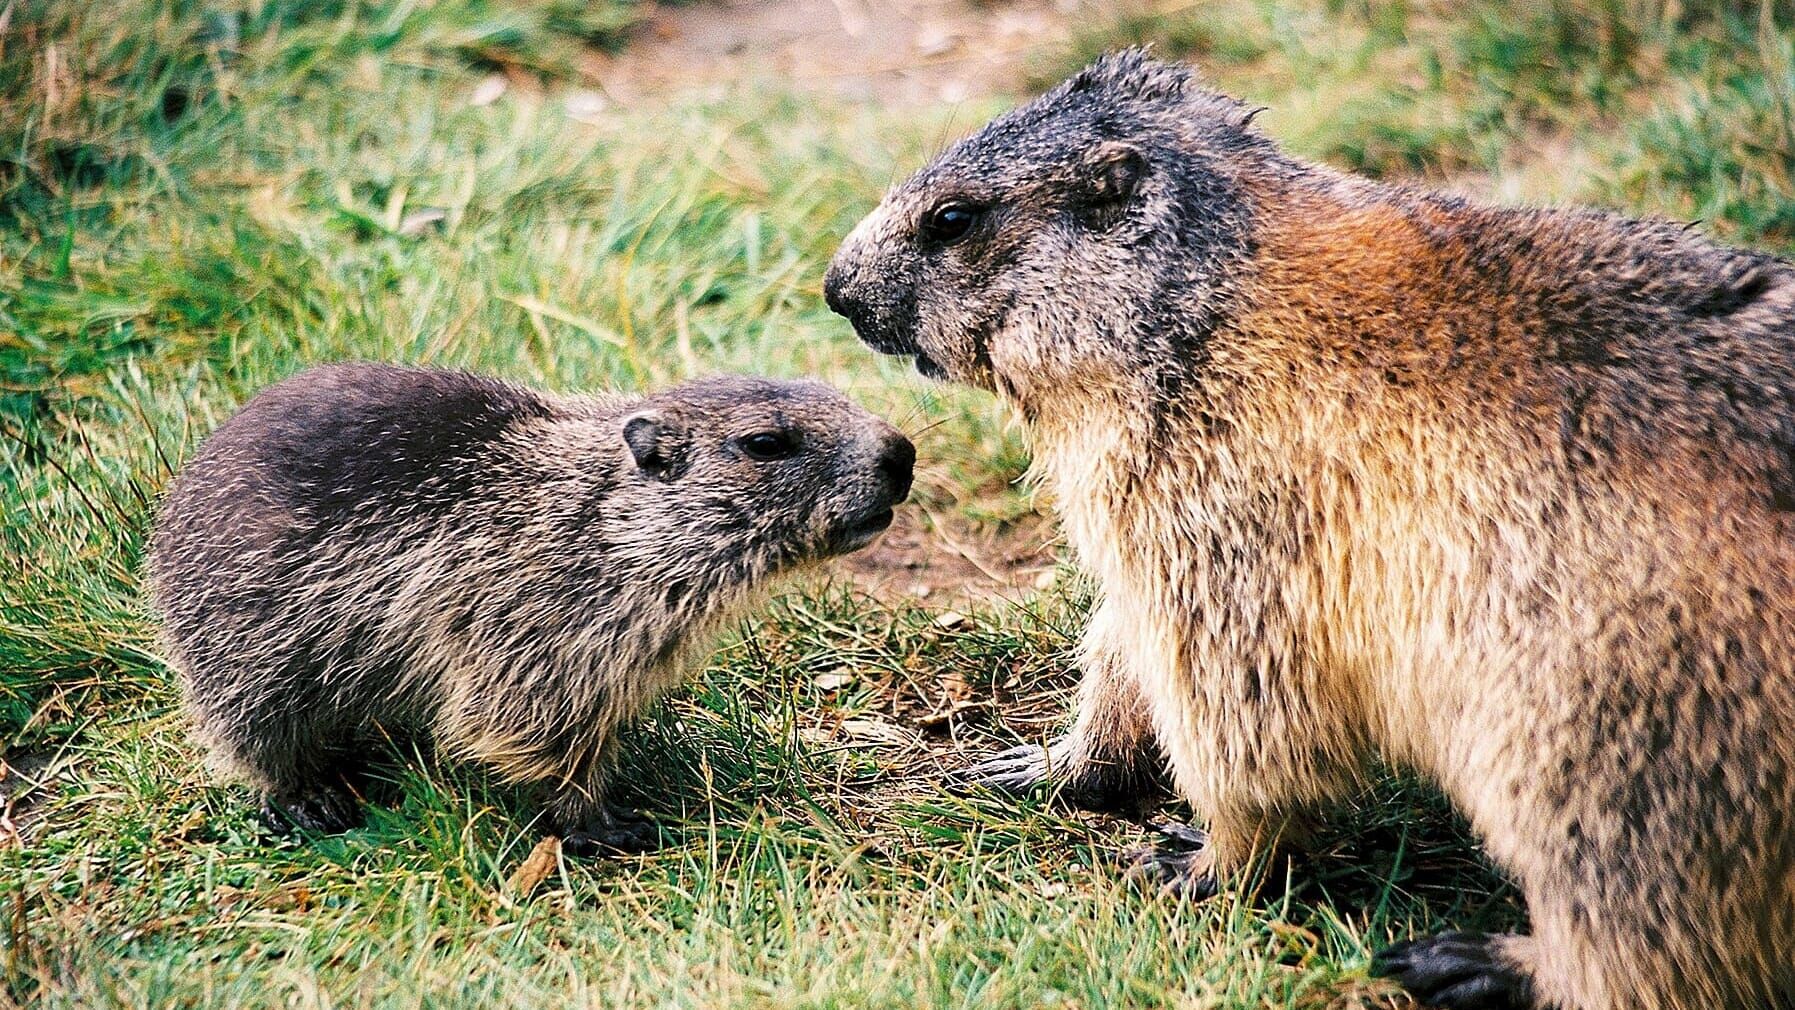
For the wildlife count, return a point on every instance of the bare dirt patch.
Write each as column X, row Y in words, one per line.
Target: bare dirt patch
column 943, row 559
column 894, row 52
column 25, row 777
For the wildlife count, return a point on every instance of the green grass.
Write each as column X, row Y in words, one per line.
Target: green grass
column 195, row 203
column 1652, row 106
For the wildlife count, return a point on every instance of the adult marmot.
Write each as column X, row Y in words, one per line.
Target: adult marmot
column 1503, row 495
column 368, row 549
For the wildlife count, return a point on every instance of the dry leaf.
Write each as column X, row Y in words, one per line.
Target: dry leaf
column 535, row 868
column 873, row 729
column 833, row 681
column 950, row 619
column 955, row 687
column 488, row 91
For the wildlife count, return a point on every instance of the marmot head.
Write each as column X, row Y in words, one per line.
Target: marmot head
column 1058, row 243
column 778, row 471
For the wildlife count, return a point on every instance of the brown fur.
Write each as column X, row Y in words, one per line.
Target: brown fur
column 1499, row 495
column 367, row 550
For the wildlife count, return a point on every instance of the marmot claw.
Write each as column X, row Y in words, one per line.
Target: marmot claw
column 616, row 832
column 1455, row 971
column 1016, row 771
column 1180, row 866
column 1085, row 785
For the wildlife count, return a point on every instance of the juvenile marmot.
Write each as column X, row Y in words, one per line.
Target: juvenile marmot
column 367, row 549
column 1503, row 495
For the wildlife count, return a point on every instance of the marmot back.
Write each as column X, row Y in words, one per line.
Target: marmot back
column 1501, row 495
column 369, row 550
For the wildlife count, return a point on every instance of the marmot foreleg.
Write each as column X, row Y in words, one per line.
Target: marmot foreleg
column 1109, row 760
column 590, row 824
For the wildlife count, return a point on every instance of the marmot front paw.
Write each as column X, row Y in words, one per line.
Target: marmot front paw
column 1180, row 865
column 1107, row 787
column 617, row 831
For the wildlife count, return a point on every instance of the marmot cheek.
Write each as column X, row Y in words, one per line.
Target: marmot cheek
column 1014, row 372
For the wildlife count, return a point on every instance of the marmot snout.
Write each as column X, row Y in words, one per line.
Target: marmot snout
column 367, row 550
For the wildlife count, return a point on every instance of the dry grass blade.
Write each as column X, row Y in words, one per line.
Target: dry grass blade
column 536, row 868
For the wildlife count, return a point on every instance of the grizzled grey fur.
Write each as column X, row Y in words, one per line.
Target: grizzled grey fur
column 1506, row 496
column 370, row 550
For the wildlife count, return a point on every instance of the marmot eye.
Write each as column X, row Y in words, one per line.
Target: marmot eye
column 949, row 222
column 766, row 446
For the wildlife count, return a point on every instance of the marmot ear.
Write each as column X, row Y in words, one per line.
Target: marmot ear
column 1112, row 172
column 657, row 442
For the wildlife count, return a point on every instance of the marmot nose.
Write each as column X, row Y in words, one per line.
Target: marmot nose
column 897, row 463
column 872, row 295
column 835, row 293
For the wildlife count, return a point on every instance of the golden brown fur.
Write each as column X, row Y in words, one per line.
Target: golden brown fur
column 1503, row 496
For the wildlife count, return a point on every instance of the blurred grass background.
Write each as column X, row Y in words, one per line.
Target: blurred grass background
column 197, row 199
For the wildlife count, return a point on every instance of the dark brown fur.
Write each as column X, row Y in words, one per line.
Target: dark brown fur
column 367, row 550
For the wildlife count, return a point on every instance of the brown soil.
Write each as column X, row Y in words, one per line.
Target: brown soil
column 894, row 52
column 944, row 559
column 25, row 778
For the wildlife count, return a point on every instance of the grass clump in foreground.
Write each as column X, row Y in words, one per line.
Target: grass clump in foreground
column 194, row 204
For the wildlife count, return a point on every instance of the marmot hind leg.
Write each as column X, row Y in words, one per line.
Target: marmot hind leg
column 321, row 809
column 309, row 771
column 319, row 794
column 612, row 830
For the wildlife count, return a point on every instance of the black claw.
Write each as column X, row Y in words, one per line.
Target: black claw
column 616, row 832
column 320, row 811
column 1180, row 867
column 1015, row 771
column 1456, row 971
column 1182, row 836
column 1102, row 787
